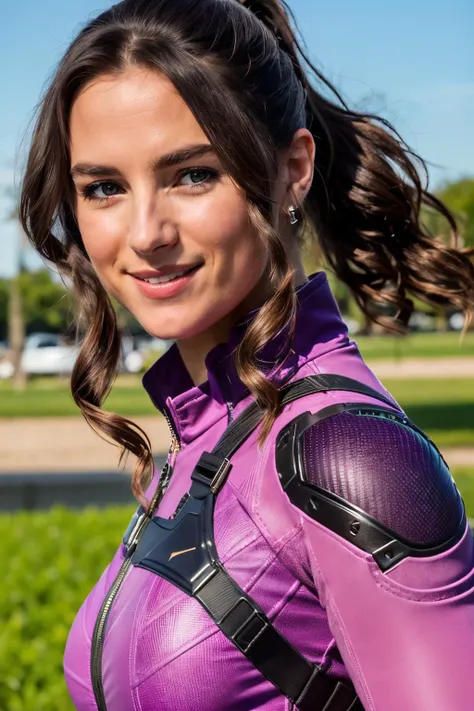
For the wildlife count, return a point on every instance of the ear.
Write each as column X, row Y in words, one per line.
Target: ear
column 297, row 169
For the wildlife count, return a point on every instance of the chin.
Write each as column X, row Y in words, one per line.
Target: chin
column 175, row 331
column 181, row 327
column 164, row 334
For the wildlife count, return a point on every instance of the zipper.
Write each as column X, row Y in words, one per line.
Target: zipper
column 175, row 445
column 97, row 646
column 98, row 637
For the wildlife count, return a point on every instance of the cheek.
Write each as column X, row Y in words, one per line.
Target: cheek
column 225, row 231
column 240, row 249
column 101, row 237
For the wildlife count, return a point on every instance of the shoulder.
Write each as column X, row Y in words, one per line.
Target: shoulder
column 352, row 465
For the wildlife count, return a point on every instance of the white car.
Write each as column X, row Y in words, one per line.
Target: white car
column 44, row 354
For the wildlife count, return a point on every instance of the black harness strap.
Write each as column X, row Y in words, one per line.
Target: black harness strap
column 246, row 625
column 183, row 551
column 201, row 575
column 236, row 434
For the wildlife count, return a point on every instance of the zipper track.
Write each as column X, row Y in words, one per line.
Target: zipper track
column 97, row 646
column 175, row 445
column 98, row 637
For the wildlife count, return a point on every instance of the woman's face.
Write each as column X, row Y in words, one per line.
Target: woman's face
column 152, row 200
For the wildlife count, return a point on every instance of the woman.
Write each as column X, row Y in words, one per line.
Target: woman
column 318, row 558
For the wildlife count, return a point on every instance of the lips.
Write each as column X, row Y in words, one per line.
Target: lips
column 167, row 277
column 156, row 286
column 159, row 275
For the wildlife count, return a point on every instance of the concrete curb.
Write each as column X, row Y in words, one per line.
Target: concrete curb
column 30, row 491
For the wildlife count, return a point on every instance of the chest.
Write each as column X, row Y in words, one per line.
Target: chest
column 163, row 651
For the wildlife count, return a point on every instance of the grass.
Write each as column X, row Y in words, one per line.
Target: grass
column 464, row 478
column 416, row 345
column 51, row 397
column 443, row 408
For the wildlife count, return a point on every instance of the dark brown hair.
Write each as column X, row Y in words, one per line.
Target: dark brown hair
column 240, row 62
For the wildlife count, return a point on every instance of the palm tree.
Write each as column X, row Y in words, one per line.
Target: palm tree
column 16, row 324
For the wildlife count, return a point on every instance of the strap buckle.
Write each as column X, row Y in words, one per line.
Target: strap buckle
column 221, row 475
column 251, row 628
column 212, row 471
column 134, row 536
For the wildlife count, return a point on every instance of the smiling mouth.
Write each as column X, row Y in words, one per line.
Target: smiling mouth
column 166, row 278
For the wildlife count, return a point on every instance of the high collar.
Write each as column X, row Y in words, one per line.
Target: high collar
column 195, row 408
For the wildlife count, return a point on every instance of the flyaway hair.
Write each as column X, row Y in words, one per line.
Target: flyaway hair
column 242, row 63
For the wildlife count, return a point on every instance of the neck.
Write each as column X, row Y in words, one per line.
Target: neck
column 193, row 350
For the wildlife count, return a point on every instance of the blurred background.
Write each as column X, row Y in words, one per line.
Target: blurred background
column 64, row 504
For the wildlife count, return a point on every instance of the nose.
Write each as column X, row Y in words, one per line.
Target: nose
column 151, row 227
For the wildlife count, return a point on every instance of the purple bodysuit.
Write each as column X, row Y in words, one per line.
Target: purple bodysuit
column 404, row 638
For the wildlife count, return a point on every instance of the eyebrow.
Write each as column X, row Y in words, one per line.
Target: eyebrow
column 167, row 160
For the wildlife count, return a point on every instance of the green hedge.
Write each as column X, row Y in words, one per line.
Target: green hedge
column 49, row 563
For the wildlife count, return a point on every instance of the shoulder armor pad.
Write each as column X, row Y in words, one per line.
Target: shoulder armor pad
column 373, row 477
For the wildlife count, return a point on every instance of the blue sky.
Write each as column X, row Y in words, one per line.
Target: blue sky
column 413, row 62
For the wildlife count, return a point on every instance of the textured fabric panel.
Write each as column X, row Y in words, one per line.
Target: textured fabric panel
column 304, row 623
column 214, row 676
column 229, row 517
column 294, row 556
column 388, row 470
column 78, row 646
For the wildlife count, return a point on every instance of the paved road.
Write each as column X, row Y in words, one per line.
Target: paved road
column 67, row 444
column 424, row 368
column 460, row 457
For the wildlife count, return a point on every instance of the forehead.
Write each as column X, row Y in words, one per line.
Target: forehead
column 130, row 114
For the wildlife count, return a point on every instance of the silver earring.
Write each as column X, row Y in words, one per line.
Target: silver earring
column 293, row 215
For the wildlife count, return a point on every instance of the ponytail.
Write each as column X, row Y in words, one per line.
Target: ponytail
column 365, row 203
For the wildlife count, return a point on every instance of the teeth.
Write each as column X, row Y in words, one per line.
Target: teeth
column 164, row 279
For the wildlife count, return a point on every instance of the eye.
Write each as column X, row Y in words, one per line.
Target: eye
column 196, row 177
column 104, row 185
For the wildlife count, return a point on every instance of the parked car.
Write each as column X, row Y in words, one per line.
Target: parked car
column 420, row 321
column 47, row 354
column 6, row 369
column 456, row 321
column 132, row 360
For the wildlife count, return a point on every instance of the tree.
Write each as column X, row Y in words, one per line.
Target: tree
column 4, row 299
column 47, row 305
column 459, row 198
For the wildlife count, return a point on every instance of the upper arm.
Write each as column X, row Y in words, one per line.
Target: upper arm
column 370, row 476
column 390, row 551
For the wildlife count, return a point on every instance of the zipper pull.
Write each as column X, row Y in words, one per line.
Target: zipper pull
column 161, row 487
column 165, row 478
column 134, row 530
column 175, row 443
column 173, row 451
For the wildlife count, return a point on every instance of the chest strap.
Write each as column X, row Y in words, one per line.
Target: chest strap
column 182, row 550
column 241, row 429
